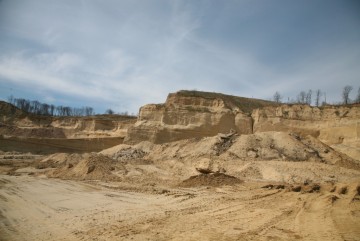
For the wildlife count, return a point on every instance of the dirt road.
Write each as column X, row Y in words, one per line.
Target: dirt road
column 34, row 208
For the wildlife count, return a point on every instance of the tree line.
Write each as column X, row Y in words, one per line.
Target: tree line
column 306, row 97
column 38, row 108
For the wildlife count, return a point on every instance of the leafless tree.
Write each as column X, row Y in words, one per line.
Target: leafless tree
column 89, row 111
column 52, row 110
column 345, row 94
column 39, row 108
column 358, row 96
column 125, row 113
column 308, row 97
column 35, row 107
column 109, row 112
column 301, row 98
column 23, row 104
column 78, row 111
column 44, row 109
column 11, row 99
column 59, row 110
column 317, row 97
column 277, row 97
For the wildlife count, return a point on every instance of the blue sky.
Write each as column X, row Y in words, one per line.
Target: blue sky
column 122, row 54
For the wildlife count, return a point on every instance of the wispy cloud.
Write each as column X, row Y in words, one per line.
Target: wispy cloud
column 43, row 71
column 124, row 54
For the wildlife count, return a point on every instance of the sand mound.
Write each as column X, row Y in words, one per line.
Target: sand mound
column 264, row 146
column 145, row 146
column 61, row 160
column 93, row 167
column 128, row 154
column 285, row 146
column 213, row 179
column 330, row 156
column 265, row 156
column 112, row 150
column 291, row 172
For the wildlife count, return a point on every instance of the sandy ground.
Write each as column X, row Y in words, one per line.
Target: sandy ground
column 264, row 186
column 35, row 208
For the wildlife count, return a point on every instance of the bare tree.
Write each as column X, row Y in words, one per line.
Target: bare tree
column 89, row 111
column 358, row 96
column 77, row 111
column 301, row 98
column 52, row 110
column 11, row 99
column 318, row 94
column 277, row 97
column 35, row 107
column 308, row 97
column 22, row 104
column 39, row 108
column 80, row 111
column 109, row 112
column 44, row 109
column 60, row 110
column 345, row 94
column 68, row 111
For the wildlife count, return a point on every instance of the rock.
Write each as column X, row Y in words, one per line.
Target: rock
column 206, row 166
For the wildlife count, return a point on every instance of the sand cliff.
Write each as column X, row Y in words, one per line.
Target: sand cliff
column 25, row 132
column 189, row 114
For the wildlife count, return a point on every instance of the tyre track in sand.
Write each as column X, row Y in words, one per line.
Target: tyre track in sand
column 52, row 209
column 330, row 216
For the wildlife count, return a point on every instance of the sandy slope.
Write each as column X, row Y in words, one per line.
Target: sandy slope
column 51, row 209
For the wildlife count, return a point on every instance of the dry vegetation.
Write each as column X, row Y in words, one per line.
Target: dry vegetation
column 245, row 104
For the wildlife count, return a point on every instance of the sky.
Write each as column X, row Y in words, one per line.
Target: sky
column 122, row 54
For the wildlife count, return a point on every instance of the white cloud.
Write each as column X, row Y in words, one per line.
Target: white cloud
column 41, row 71
column 128, row 53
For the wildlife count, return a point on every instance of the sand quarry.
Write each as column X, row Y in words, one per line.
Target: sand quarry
column 263, row 186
